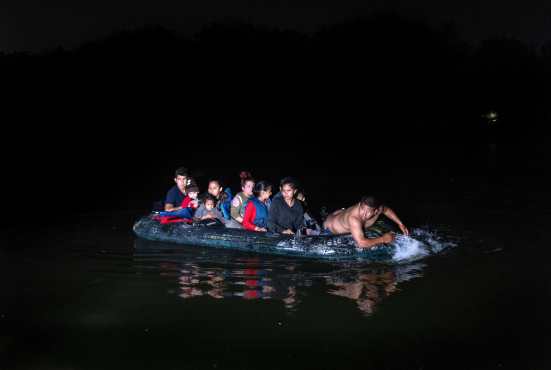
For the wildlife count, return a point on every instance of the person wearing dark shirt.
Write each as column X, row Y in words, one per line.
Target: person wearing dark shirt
column 256, row 210
column 186, row 209
column 177, row 193
column 286, row 214
column 310, row 225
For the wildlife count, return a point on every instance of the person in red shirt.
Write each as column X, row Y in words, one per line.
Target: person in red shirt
column 186, row 209
column 256, row 211
column 191, row 201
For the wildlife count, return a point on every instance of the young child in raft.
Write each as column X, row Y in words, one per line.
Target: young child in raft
column 188, row 206
column 207, row 210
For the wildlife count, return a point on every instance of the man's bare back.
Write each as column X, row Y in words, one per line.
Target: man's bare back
column 338, row 222
column 356, row 218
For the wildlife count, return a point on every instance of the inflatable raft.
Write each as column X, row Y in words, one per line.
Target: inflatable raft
column 327, row 247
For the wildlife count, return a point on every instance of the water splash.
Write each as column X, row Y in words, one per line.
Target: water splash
column 421, row 243
column 408, row 249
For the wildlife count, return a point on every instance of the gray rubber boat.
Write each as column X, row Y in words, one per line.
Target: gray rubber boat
column 327, row 247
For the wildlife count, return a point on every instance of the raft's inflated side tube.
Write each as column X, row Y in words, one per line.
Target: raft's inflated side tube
column 330, row 247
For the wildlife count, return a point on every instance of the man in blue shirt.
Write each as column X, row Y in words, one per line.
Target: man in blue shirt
column 177, row 193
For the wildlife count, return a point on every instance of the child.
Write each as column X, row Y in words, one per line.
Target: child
column 191, row 201
column 208, row 211
column 188, row 207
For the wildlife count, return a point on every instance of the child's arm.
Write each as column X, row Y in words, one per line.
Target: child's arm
column 186, row 202
column 199, row 214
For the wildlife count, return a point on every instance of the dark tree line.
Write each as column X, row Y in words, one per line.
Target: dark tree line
column 394, row 77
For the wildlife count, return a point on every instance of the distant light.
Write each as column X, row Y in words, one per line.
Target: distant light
column 491, row 117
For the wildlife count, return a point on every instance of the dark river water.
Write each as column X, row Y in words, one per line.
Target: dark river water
column 87, row 294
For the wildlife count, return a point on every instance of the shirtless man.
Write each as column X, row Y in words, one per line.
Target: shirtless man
column 360, row 216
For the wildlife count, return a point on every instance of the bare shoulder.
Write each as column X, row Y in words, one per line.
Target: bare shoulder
column 354, row 219
column 337, row 212
column 350, row 211
column 333, row 215
column 355, row 227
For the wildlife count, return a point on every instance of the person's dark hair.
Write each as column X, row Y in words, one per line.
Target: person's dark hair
column 371, row 201
column 216, row 181
column 210, row 197
column 223, row 194
column 261, row 186
column 182, row 171
column 245, row 177
column 192, row 189
column 291, row 181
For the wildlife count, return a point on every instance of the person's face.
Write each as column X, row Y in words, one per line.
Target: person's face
column 265, row 194
column 180, row 182
column 209, row 205
column 193, row 194
column 288, row 192
column 367, row 212
column 214, row 189
column 248, row 188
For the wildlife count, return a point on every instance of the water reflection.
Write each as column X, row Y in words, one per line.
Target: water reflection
column 245, row 278
column 369, row 286
column 217, row 275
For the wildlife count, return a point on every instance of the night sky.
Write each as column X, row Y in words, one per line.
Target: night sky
column 37, row 24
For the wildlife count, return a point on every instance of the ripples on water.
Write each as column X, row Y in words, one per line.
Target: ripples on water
column 222, row 274
column 95, row 292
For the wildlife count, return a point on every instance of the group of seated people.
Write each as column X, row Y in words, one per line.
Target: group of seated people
column 251, row 209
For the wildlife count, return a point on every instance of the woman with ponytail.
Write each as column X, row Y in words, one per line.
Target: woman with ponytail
column 256, row 210
column 239, row 202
